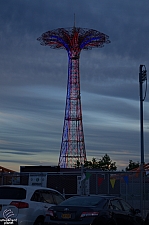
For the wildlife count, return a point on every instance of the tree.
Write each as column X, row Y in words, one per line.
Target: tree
column 78, row 164
column 132, row 165
column 91, row 164
column 104, row 164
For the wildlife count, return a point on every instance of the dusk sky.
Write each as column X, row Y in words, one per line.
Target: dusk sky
column 33, row 80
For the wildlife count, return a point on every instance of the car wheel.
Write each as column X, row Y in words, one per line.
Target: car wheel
column 147, row 220
column 110, row 223
column 39, row 221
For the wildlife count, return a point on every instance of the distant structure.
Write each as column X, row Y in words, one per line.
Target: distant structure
column 73, row 40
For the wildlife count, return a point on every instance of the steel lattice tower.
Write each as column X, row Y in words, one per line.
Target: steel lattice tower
column 73, row 40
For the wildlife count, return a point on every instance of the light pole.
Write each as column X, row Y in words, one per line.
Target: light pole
column 142, row 79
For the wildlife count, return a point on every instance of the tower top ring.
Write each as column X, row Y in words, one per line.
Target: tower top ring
column 74, row 37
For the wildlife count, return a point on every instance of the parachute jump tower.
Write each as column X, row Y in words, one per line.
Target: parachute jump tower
column 73, row 40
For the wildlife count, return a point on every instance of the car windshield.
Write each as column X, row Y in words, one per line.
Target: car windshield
column 12, row 193
column 84, row 201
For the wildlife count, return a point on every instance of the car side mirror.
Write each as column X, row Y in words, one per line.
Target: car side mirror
column 137, row 211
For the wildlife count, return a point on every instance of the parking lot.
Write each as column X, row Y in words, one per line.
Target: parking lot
column 71, row 183
column 37, row 205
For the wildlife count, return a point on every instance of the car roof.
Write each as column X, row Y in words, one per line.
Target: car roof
column 29, row 187
column 105, row 196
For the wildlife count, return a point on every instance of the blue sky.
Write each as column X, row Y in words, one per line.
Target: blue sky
column 33, row 80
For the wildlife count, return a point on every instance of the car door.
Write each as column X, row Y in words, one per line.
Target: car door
column 58, row 198
column 47, row 199
column 118, row 214
column 133, row 218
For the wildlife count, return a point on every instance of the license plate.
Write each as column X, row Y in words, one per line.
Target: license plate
column 66, row 216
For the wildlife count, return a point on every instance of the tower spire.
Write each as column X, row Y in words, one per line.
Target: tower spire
column 74, row 20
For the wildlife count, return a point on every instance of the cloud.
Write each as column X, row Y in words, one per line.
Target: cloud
column 33, row 79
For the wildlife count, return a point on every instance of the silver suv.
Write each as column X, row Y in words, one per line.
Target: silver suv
column 26, row 205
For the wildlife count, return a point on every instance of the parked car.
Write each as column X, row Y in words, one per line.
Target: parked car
column 26, row 205
column 93, row 210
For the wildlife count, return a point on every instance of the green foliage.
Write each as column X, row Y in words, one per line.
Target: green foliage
column 105, row 164
column 132, row 165
column 77, row 165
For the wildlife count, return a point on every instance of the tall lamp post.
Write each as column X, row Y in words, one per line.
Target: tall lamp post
column 142, row 79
